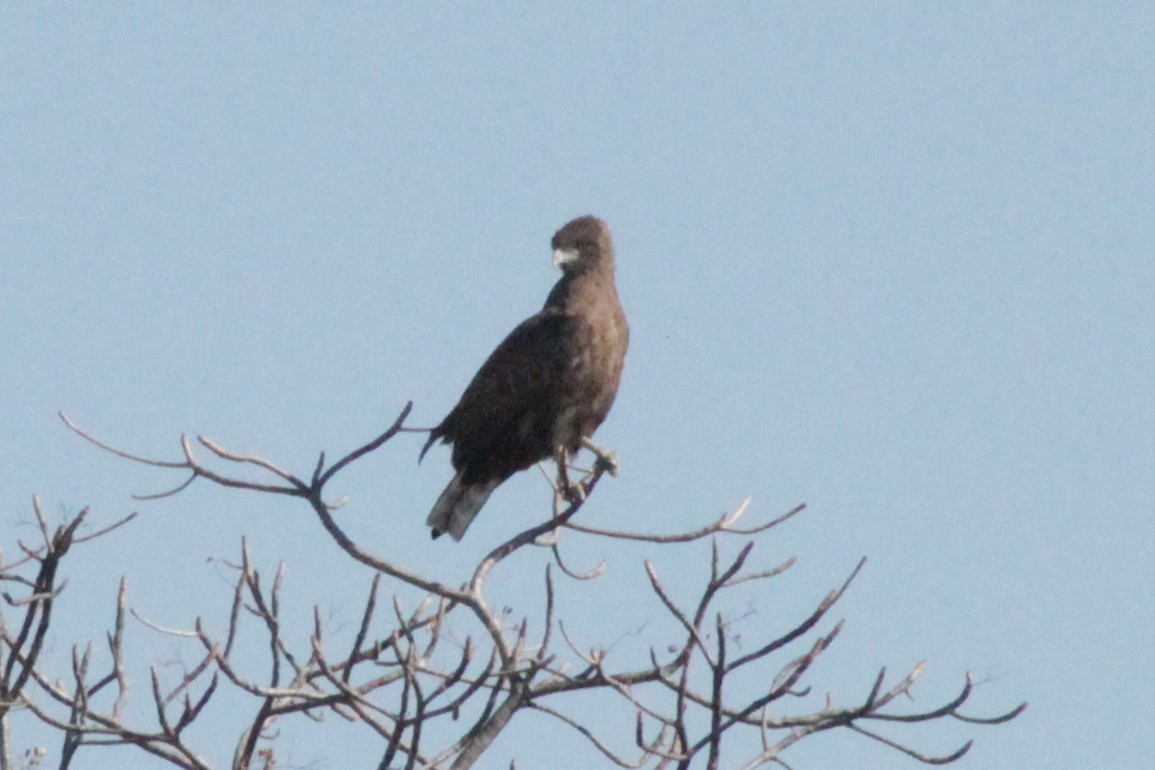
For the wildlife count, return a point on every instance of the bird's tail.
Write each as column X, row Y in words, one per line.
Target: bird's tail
column 459, row 503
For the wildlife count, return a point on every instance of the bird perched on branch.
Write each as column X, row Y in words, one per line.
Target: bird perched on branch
column 546, row 388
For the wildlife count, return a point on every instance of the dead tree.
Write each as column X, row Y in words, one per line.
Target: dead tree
column 438, row 684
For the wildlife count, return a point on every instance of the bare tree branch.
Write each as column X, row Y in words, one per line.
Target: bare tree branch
column 456, row 664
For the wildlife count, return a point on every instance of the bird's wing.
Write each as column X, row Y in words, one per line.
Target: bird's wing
column 522, row 372
column 504, row 420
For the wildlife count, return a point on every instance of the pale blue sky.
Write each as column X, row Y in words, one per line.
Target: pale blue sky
column 893, row 260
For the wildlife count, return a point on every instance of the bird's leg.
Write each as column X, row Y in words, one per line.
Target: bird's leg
column 574, row 493
column 607, row 459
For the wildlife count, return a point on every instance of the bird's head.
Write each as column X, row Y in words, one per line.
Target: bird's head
column 582, row 244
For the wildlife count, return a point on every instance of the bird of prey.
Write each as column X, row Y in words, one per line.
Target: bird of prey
column 546, row 388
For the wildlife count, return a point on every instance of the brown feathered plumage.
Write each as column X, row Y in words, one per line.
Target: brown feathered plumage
column 547, row 386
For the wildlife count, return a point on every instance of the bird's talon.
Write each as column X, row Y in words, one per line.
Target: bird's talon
column 575, row 493
column 608, row 462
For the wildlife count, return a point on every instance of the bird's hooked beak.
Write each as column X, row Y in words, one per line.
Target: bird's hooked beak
column 562, row 257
